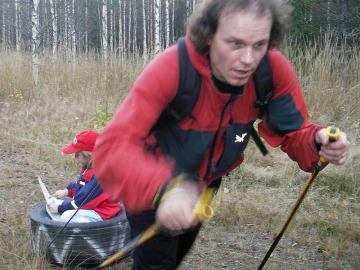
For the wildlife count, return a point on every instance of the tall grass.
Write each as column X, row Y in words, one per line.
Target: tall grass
column 79, row 96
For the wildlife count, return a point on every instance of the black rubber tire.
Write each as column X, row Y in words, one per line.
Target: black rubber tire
column 85, row 244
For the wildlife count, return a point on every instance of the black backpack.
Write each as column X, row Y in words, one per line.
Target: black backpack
column 189, row 89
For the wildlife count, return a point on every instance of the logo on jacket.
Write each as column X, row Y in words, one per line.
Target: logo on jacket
column 240, row 139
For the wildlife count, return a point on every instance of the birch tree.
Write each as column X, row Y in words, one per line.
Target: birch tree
column 134, row 27
column 157, row 44
column 173, row 22
column 104, row 31
column 86, row 45
column 3, row 21
column 129, row 24
column 144, row 32
column 67, row 31
column 35, row 44
column 54, row 28
column 111, row 25
column 121, row 27
column 188, row 6
column 17, row 26
column 73, row 32
column 167, row 24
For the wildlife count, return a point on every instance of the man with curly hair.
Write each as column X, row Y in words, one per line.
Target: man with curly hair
column 225, row 40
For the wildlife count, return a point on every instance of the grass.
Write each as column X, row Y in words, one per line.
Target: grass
column 255, row 198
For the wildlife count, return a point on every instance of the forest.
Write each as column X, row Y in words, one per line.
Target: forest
column 143, row 26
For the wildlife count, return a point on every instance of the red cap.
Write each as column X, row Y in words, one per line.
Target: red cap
column 84, row 141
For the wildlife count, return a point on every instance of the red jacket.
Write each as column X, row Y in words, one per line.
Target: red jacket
column 132, row 161
column 87, row 194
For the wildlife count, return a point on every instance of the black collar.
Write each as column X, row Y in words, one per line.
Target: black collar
column 226, row 88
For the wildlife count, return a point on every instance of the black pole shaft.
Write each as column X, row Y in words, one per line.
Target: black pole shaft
column 291, row 215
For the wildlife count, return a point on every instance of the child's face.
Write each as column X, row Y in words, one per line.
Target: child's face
column 81, row 159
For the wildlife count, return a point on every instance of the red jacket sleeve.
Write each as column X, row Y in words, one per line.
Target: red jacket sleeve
column 299, row 143
column 124, row 168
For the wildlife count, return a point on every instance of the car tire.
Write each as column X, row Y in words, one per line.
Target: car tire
column 85, row 244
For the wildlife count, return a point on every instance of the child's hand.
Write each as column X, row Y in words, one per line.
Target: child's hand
column 53, row 208
column 59, row 194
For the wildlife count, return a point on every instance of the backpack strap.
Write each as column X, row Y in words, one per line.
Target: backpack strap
column 264, row 90
column 259, row 143
column 263, row 84
column 187, row 93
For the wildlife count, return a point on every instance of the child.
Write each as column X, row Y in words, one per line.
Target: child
column 86, row 192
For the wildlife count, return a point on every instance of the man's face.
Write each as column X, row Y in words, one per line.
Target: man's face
column 238, row 46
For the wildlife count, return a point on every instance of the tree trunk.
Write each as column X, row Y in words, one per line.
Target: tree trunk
column 104, row 31
column 54, row 28
column 3, row 29
column 73, row 33
column 111, row 25
column 144, row 32
column 173, row 22
column 67, row 28
column 344, row 15
column 86, row 27
column 129, row 25
column 167, row 24
column 35, row 45
column 152, row 27
column 157, row 44
column 17, row 26
column 121, row 27
column 134, row 32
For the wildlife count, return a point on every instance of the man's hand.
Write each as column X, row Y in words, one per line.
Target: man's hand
column 59, row 194
column 335, row 152
column 175, row 212
column 53, row 208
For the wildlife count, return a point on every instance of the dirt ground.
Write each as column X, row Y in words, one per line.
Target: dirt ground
column 217, row 247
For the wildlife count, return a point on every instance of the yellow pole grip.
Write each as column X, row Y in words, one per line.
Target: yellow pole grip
column 333, row 133
column 202, row 209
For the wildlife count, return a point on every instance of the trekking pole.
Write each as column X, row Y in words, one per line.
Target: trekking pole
column 333, row 134
column 202, row 210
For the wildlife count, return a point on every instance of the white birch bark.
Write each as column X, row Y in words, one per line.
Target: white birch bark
column 328, row 15
column 73, row 32
column 86, row 27
column 187, row 8
column 157, row 44
column 134, row 32
column 46, row 39
column 151, row 28
column 173, row 22
column 121, row 25
column 35, row 45
column 54, row 28
column 104, row 31
column 17, row 26
column 167, row 24
column 129, row 25
column 3, row 28
column 144, row 32
column 66, row 28
column 110, row 30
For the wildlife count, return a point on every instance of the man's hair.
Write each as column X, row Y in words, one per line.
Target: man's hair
column 204, row 22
